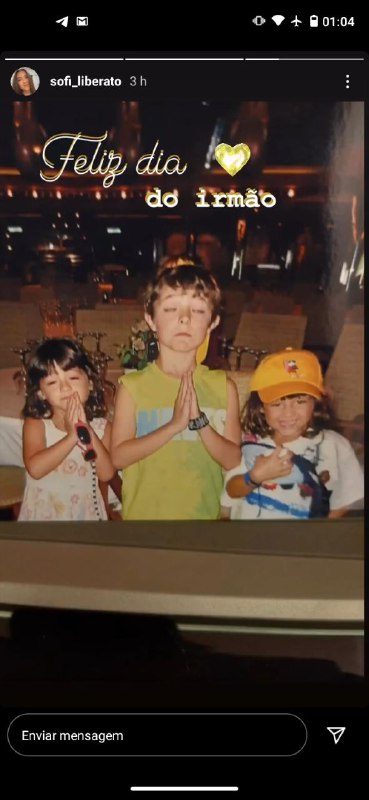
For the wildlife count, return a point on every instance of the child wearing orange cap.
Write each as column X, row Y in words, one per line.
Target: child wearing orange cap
column 294, row 466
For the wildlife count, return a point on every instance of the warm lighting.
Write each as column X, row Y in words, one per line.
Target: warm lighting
column 35, row 194
column 76, row 214
column 66, row 225
column 123, row 195
column 53, row 225
column 51, row 246
column 98, row 195
column 291, row 192
column 104, row 287
column 59, row 195
column 37, row 149
column 59, row 214
column 10, row 193
column 292, row 170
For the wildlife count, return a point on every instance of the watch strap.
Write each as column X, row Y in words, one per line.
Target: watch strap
column 199, row 422
column 249, row 482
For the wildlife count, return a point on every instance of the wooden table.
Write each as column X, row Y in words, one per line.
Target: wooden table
column 12, row 482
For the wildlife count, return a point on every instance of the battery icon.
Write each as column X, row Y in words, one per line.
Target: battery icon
column 314, row 21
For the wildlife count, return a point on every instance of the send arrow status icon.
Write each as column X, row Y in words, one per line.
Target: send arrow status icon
column 336, row 733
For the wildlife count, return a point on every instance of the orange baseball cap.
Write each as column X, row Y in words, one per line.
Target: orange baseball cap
column 287, row 372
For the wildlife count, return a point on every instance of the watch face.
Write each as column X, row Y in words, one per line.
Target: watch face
column 83, row 434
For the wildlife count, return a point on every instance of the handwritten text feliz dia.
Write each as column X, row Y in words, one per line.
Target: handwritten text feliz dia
column 100, row 161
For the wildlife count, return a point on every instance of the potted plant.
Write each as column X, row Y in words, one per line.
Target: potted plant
column 138, row 352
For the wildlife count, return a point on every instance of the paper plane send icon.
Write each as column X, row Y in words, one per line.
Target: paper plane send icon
column 336, row 733
column 63, row 21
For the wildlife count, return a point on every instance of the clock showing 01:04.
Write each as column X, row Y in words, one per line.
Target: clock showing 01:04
column 342, row 22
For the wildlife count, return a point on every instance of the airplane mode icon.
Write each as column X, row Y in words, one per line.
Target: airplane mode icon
column 296, row 22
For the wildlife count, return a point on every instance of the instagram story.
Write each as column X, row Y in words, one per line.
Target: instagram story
column 181, row 299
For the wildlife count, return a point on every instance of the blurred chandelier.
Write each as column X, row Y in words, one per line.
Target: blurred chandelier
column 29, row 139
column 125, row 136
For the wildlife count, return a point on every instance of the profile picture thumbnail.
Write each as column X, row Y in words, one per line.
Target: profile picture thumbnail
column 25, row 81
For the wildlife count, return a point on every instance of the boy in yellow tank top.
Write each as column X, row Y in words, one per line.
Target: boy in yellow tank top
column 176, row 423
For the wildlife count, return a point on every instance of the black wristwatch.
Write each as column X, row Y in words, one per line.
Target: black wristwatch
column 199, row 422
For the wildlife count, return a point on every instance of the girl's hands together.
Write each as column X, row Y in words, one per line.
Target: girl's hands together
column 74, row 413
column 81, row 411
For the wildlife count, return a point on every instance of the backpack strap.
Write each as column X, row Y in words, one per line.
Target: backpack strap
column 319, row 493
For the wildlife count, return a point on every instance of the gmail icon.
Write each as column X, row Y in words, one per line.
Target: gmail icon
column 82, row 20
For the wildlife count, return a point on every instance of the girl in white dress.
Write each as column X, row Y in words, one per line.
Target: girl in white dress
column 65, row 446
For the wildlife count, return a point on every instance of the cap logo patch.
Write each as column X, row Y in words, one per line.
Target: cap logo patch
column 291, row 368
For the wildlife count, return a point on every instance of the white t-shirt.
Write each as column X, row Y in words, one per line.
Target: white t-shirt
column 289, row 497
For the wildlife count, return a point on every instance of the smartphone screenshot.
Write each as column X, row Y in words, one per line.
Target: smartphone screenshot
column 182, row 403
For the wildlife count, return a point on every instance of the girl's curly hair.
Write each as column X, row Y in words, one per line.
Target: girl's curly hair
column 67, row 354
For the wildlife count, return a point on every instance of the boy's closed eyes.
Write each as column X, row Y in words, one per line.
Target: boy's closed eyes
column 193, row 310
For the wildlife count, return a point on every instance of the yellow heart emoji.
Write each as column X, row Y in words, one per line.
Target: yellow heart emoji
column 232, row 159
